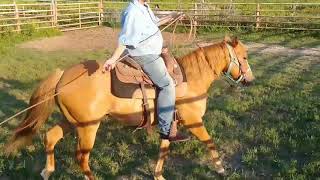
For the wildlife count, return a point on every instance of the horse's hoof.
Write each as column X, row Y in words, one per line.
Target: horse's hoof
column 159, row 178
column 45, row 174
column 221, row 172
column 219, row 168
column 89, row 177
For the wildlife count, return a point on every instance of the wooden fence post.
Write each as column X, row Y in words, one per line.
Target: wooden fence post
column 79, row 10
column 54, row 9
column 100, row 12
column 195, row 10
column 179, row 5
column 258, row 15
column 202, row 9
column 52, row 15
column 294, row 9
column 23, row 11
column 196, row 13
column 16, row 16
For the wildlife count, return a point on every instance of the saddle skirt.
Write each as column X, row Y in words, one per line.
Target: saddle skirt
column 127, row 76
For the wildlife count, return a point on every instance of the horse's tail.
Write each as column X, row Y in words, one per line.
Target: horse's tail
column 36, row 116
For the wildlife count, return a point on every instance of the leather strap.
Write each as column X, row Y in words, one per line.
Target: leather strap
column 133, row 63
column 146, row 123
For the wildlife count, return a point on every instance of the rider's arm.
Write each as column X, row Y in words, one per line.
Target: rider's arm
column 110, row 63
column 170, row 17
column 127, row 38
column 164, row 20
column 117, row 53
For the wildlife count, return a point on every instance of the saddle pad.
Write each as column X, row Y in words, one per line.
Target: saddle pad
column 132, row 90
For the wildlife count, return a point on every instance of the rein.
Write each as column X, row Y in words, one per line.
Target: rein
column 56, row 94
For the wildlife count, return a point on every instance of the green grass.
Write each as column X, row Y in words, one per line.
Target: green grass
column 268, row 130
column 9, row 39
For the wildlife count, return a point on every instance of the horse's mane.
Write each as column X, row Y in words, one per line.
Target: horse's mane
column 205, row 61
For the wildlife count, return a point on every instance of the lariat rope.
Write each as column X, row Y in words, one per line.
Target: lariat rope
column 45, row 100
column 54, row 95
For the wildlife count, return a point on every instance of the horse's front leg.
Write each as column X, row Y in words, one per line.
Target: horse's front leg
column 196, row 127
column 163, row 154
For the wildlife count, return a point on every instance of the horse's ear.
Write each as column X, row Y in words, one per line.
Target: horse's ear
column 235, row 41
column 227, row 39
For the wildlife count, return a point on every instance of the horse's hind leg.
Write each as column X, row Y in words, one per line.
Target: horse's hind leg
column 197, row 128
column 78, row 152
column 51, row 139
column 163, row 154
column 87, row 136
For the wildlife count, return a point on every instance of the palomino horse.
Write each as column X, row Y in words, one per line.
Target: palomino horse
column 84, row 97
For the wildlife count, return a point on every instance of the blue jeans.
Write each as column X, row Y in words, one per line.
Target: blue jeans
column 154, row 67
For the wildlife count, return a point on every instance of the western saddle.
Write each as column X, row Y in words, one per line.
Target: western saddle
column 129, row 75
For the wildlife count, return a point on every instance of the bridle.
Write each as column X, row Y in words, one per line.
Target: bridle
column 235, row 61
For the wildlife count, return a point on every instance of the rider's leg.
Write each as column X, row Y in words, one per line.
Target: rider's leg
column 154, row 67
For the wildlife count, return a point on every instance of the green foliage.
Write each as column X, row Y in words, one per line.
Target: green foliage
column 250, row 158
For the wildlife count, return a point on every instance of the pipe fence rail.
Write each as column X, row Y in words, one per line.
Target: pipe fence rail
column 294, row 16
column 64, row 16
column 68, row 16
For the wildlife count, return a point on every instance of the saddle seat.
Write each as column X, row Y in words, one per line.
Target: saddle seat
column 127, row 77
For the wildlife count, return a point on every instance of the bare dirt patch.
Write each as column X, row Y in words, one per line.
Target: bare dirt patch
column 89, row 40
column 261, row 48
column 280, row 50
column 105, row 38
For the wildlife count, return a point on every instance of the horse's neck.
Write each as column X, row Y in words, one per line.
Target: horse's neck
column 202, row 67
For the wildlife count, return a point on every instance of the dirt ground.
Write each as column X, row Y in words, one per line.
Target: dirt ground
column 90, row 39
column 106, row 38
column 261, row 48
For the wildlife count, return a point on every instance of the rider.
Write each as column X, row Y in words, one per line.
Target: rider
column 143, row 40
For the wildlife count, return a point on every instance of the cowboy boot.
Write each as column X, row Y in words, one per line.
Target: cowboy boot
column 174, row 136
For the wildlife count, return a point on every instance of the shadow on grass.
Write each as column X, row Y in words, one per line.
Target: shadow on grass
column 274, row 129
column 28, row 162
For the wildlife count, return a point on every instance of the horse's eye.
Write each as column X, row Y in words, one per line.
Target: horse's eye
column 245, row 58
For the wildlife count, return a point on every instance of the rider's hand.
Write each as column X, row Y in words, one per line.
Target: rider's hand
column 109, row 64
column 164, row 50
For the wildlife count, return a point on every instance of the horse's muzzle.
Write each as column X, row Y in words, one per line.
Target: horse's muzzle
column 247, row 83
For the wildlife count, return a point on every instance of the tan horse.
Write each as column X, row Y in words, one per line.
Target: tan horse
column 85, row 98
